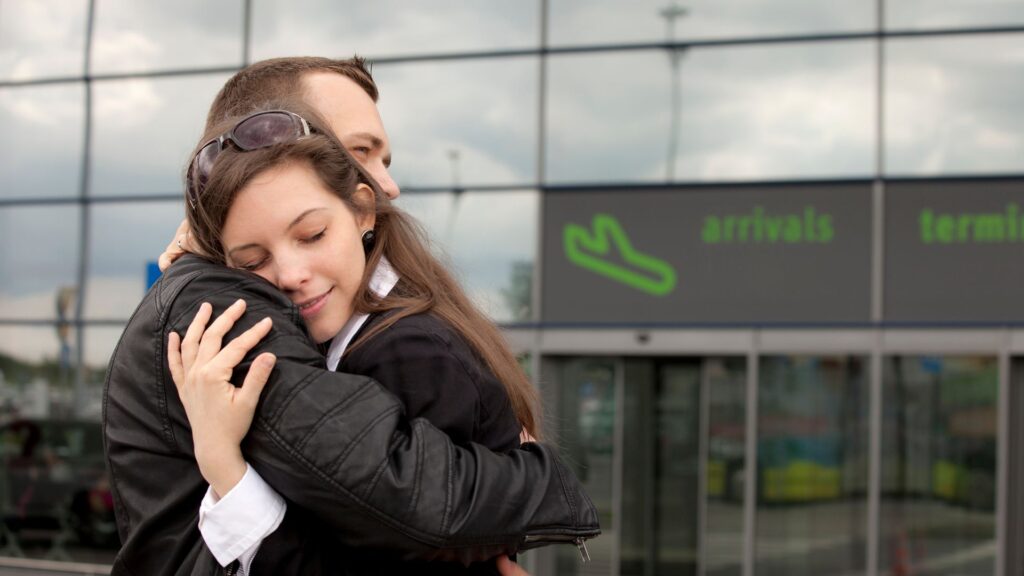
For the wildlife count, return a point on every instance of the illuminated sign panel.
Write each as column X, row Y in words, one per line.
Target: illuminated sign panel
column 954, row 251
column 731, row 255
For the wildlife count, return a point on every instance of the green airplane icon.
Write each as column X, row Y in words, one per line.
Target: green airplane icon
column 592, row 250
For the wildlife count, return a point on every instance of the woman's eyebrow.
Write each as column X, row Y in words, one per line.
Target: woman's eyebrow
column 303, row 215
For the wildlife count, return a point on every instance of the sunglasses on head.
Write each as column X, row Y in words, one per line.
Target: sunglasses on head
column 259, row 130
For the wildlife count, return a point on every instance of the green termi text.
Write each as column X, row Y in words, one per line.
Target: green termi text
column 980, row 227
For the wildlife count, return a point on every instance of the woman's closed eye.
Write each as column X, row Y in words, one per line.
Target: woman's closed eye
column 253, row 266
column 314, row 238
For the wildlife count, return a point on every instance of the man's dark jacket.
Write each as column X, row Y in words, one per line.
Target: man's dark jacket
column 354, row 471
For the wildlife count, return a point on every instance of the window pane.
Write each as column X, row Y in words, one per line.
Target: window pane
column 665, row 414
column 461, row 123
column 125, row 239
column 490, row 238
column 589, row 22
column 812, row 465
column 144, row 131
column 391, row 27
column 147, row 36
column 41, row 141
column 51, row 451
column 920, row 14
column 36, row 371
column 727, row 457
column 97, row 347
column 585, row 426
column 39, row 261
column 787, row 111
column 939, row 437
column 953, row 105
column 42, row 38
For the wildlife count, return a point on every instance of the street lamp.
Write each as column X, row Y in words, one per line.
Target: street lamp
column 670, row 14
column 453, row 157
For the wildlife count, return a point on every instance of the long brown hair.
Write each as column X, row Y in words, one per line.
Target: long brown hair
column 425, row 285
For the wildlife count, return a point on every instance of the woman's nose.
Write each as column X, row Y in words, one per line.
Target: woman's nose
column 291, row 275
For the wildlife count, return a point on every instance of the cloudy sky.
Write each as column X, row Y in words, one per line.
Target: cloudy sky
column 745, row 113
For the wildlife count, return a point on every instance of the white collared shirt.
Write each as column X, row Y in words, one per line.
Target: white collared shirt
column 235, row 525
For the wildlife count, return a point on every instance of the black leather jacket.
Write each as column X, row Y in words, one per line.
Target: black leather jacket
column 336, row 446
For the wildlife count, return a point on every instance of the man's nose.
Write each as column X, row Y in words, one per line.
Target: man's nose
column 387, row 183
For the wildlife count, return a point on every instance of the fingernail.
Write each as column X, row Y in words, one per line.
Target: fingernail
column 266, row 320
column 239, row 301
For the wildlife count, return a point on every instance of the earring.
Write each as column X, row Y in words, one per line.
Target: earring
column 368, row 239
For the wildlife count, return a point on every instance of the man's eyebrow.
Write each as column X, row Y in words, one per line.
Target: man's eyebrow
column 290, row 226
column 377, row 141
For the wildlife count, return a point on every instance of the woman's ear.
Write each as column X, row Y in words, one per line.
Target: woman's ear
column 364, row 198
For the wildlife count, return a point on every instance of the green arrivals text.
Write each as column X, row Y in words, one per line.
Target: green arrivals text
column 761, row 227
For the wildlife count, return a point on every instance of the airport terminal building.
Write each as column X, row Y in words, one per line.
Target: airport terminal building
column 759, row 257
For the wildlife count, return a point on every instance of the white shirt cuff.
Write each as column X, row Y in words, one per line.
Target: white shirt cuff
column 234, row 525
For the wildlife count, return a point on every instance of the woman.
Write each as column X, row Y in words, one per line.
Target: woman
column 304, row 216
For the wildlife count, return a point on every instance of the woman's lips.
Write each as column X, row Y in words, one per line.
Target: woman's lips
column 312, row 307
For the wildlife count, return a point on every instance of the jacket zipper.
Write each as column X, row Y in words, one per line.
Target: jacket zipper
column 579, row 541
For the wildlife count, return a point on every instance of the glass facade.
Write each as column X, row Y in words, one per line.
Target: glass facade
column 734, row 449
column 940, row 438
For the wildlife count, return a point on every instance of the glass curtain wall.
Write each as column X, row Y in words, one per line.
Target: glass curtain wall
column 487, row 104
column 939, row 450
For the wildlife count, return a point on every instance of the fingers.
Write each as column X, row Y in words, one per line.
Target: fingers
column 190, row 343
column 257, row 378
column 210, row 343
column 525, row 436
column 174, row 359
column 506, row 567
column 176, row 247
column 236, row 350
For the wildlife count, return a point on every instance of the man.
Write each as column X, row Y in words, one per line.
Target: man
column 426, row 492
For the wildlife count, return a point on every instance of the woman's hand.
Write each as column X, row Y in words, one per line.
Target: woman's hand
column 178, row 246
column 506, row 567
column 220, row 414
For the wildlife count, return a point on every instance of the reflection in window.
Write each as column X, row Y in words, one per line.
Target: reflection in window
column 125, row 240
column 923, row 14
column 575, row 22
column 812, row 465
column 952, row 105
column 585, row 428
column 462, row 123
column 57, row 502
column 97, row 346
column 489, row 238
column 786, row 111
column 391, row 27
column 39, row 262
column 37, row 365
column 42, row 39
column 41, row 142
column 663, row 422
column 939, row 437
column 149, row 36
column 726, row 461
column 144, row 131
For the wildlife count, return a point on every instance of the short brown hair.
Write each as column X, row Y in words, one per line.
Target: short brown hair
column 280, row 79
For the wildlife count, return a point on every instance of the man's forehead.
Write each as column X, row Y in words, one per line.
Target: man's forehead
column 345, row 105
